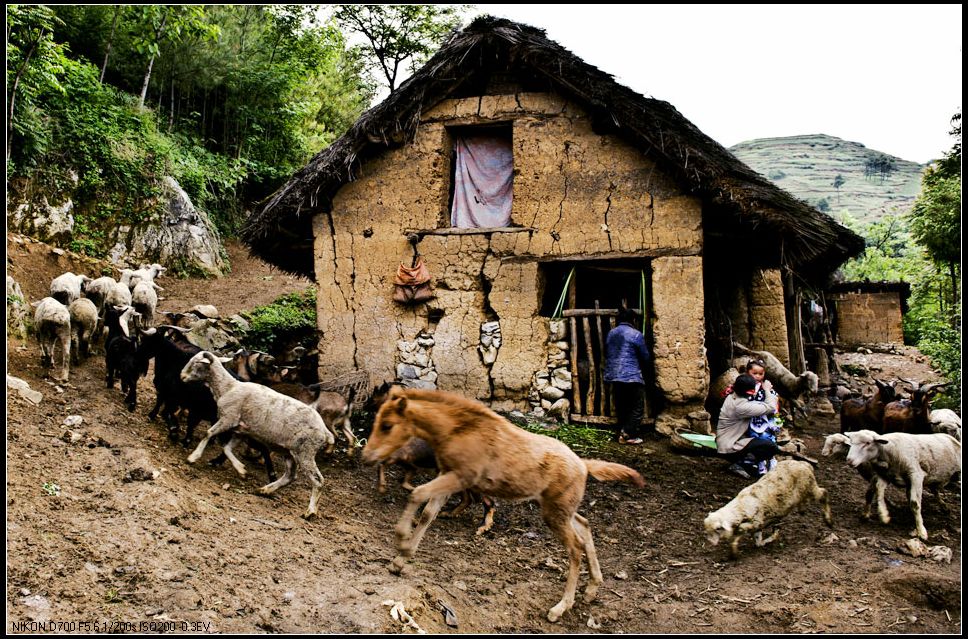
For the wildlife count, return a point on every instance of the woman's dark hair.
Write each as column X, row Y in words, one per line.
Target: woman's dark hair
column 744, row 384
column 626, row 315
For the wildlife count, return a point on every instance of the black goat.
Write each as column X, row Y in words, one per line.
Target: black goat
column 171, row 353
column 120, row 354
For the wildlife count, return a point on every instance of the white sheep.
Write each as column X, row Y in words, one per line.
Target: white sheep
column 145, row 300
column 265, row 415
column 66, row 288
column 52, row 321
column 838, row 445
column 776, row 494
column 147, row 273
column 945, row 420
column 83, row 322
column 119, row 296
column 97, row 290
column 917, row 460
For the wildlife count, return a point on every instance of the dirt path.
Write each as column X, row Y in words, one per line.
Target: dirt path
column 134, row 537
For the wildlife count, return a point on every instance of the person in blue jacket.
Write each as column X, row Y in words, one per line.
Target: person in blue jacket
column 626, row 357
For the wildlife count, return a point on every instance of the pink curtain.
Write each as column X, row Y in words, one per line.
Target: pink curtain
column 482, row 181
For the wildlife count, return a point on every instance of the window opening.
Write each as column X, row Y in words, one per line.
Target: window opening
column 483, row 177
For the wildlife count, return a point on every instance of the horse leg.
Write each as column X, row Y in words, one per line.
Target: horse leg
column 436, row 492
column 488, row 522
column 560, row 520
column 584, row 531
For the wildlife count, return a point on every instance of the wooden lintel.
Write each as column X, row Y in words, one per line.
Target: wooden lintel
column 591, row 312
column 615, row 255
column 459, row 231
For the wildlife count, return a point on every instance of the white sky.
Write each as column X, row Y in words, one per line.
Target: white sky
column 887, row 76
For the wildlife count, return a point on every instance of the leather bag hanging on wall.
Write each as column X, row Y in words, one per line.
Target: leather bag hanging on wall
column 412, row 284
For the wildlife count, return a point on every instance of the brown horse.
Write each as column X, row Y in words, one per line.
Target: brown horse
column 478, row 449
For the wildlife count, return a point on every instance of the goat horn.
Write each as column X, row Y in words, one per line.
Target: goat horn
column 177, row 328
column 934, row 386
column 912, row 383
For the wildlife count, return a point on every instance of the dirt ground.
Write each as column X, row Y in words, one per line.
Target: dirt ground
column 109, row 528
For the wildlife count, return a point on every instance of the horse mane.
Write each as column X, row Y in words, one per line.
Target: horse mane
column 463, row 412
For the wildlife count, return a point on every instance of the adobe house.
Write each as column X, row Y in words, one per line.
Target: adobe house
column 868, row 312
column 534, row 186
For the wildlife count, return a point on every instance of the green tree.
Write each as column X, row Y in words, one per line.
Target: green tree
column 879, row 165
column 167, row 22
column 837, row 183
column 936, row 216
column 399, row 33
column 34, row 62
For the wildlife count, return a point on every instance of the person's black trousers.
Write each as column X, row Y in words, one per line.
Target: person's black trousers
column 629, row 407
column 758, row 449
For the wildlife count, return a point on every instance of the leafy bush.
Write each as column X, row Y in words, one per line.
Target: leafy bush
column 289, row 320
column 941, row 342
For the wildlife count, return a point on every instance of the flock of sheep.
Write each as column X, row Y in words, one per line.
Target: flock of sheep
column 250, row 397
column 888, row 440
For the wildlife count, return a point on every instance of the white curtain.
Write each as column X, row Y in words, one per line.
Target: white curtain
column 483, row 178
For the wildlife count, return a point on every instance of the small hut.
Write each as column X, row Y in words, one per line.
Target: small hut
column 540, row 195
column 868, row 312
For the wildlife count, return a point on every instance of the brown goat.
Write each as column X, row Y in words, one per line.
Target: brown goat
column 333, row 407
column 914, row 415
column 866, row 412
column 478, row 449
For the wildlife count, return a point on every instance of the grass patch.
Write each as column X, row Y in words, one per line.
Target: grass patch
column 584, row 440
column 289, row 319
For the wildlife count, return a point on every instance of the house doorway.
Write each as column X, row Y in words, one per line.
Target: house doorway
column 587, row 296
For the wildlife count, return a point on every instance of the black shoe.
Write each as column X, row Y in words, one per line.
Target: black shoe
column 736, row 469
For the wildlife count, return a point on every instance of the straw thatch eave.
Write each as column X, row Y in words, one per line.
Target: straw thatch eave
column 814, row 244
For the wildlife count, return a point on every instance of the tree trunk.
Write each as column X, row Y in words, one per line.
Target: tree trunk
column 104, row 67
column 151, row 62
column 171, row 111
column 954, row 283
column 144, row 86
column 13, row 89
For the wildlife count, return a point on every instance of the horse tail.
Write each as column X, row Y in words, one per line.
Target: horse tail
column 609, row 471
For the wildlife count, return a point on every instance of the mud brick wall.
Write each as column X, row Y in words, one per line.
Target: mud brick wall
column 868, row 318
column 756, row 311
column 575, row 193
column 768, row 329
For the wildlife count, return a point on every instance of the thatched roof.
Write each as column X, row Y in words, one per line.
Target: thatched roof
column 280, row 230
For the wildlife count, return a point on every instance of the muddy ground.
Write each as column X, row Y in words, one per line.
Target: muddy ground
column 112, row 526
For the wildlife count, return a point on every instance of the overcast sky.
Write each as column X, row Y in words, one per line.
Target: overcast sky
column 887, row 76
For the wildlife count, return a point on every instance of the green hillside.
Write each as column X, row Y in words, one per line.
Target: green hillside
column 874, row 184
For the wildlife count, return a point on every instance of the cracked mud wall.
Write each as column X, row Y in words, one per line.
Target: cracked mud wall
column 680, row 337
column 576, row 193
column 768, row 314
column 868, row 318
